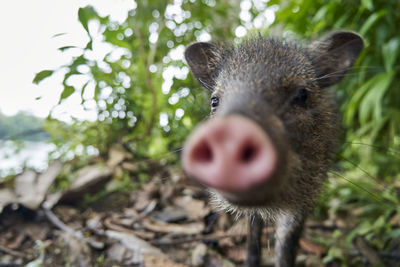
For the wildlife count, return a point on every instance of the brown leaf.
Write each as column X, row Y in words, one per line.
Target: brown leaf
column 196, row 209
column 134, row 243
column 78, row 251
column 152, row 188
column 115, row 156
column 154, row 261
column 199, row 254
column 368, row 252
column 67, row 213
column 16, row 242
column 171, row 214
column 237, row 254
column 312, row 247
column 141, row 200
column 167, row 192
column 395, row 220
column 35, row 231
column 110, row 224
column 130, row 166
column 313, row 261
column 124, row 256
column 162, row 227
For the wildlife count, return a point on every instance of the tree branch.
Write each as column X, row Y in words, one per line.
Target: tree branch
column 148, row 82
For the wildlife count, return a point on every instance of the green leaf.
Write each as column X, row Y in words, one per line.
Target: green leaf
column 353, row 106
column 371, row 20
column 379, row 223
column 68, row 90
column 333, row 254
column 83, row 90
column 85, row 14
column 62, row 49
column 97, row 92
column 390, row 51
column 58, row 34
column 42, row 75
column 372, row 104
column 368, row 4
column 89, row 45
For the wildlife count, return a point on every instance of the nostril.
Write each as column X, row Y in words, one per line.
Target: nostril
column 202, row 152
column 249, row 153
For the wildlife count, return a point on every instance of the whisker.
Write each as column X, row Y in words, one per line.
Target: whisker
column 206, row 85
column 364, row 171
column 177, row 150
column 395, row 151
column 341, row 73
column 376, row 197
column 332, row 51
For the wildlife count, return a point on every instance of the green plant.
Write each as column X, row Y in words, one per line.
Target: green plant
column 145, row 99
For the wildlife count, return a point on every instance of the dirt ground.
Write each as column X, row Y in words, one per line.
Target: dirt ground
column 166, row 222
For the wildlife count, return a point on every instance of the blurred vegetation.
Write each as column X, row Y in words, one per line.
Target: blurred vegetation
column 147, row 101
column 144, row 96
column 22, row 126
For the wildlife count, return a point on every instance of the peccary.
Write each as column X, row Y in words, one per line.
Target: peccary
column 273, row 129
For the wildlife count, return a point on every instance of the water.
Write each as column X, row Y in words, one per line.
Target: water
column 33, row 154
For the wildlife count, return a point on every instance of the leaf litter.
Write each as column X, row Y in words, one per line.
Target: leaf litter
column 165, row 222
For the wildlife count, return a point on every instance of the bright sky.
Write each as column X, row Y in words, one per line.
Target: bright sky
column 27, row 47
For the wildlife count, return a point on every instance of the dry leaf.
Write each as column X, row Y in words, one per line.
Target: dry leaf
column 162, row 227
column 312, row 247
column 196, row 209
column 134, row 243
column 154, row 261
column 115, row 157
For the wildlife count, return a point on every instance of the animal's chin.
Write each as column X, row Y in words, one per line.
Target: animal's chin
column 258, row 197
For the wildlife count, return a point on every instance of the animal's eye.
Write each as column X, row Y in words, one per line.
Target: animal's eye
column 300, row 99
column 214, row 102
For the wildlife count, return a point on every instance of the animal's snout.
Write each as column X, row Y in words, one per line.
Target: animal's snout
column 230, row 154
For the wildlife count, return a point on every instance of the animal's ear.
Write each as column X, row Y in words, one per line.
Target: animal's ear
column 333, row 55
column 204, row 60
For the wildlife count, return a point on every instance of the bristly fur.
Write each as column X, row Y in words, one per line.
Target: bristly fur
column 280, row 85
column 257, row 79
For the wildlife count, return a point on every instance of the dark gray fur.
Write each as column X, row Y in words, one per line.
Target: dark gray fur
column 263, row 79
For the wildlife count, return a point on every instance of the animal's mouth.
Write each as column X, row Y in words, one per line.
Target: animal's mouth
column 261, row 195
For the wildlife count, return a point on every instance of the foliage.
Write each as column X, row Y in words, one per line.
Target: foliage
column 143, row 92
column 141, row 86
column 146, row 100
column 369, row 96
column 370, row 103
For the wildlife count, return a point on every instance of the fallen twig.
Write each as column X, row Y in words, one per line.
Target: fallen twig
column 370, row 254
column 63, row 227
column 188, row 239
column 12, row 252
column 110, row 224
column 60, row 225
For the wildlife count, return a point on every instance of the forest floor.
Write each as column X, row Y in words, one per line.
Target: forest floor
column 166, row 222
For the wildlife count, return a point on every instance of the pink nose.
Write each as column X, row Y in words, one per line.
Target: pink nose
column 230, row 154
